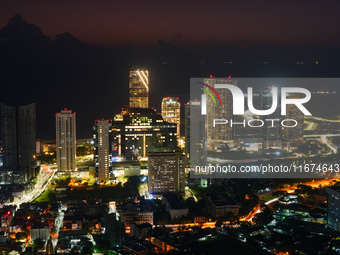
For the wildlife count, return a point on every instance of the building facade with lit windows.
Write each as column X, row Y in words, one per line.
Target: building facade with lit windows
column 66, row 141
column 18, row 132
column 166, row 172
column 171, row 111
column 139, row 87
column 102, row 149
column 136, row 131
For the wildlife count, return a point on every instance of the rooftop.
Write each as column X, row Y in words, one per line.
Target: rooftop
column 174, row 201
column 220, row 199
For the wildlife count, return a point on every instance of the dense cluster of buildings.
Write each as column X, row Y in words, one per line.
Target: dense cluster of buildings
column 137, row 134
column 138, row 141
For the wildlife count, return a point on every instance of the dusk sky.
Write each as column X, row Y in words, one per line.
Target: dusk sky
column 187, row 23
column 175, row 40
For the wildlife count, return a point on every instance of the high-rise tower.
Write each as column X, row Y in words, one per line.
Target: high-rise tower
column 102, row 149
column 139, row 88
column 18, row 125
column 66, row 141
column 171, row 111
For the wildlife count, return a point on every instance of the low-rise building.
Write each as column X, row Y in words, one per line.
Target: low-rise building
column 140, row 230
column 132, row 213
column 220, row 205
column 40, row 231
column 175, row 206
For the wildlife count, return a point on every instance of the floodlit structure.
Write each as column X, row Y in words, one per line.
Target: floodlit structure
column 171, row 111
column 139, row 88
column 66, row 141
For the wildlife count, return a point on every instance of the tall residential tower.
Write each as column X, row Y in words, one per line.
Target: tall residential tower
column 66, row 141
column 102, row 149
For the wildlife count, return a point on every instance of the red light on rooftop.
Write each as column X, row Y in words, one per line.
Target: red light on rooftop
column 210, row 76
column 65, row 109
column 229, row 76
column 177, row 98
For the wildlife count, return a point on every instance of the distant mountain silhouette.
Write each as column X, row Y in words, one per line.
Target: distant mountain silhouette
column 68, row 40
column 93, row 80
column 19, row 31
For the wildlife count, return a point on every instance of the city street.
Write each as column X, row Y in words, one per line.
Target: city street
column 44, row 177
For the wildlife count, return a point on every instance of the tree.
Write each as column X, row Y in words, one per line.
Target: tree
column 87, row 249
column 20, row 236
column 218, row 224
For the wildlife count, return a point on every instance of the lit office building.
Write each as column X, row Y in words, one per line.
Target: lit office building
column 171, row 111
column 18, row 128
column 102, row 149
column 166, row 172
column 139, row 88
column 135, row 131
column 66, row 141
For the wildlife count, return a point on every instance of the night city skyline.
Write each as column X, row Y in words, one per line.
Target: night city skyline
column 169, row 127
column 108, row 66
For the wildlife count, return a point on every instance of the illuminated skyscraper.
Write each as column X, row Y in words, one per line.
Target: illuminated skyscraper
column 66, row 141
column 139, row 88
column 171, row 111
column 102, row 149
